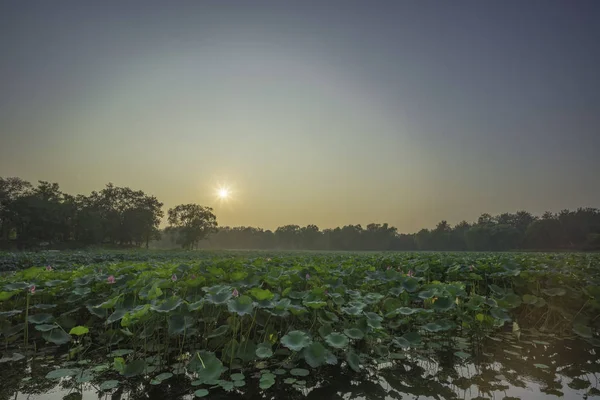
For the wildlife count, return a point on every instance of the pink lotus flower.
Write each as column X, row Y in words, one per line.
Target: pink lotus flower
column 235, row 293
column 48, row 268
column 410, row 273
column 32, row 289
column 193, row 276
column 111, row 279
column 174, row 277
column 307, row 276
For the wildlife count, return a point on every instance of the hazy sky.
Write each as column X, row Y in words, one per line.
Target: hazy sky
column 325, row 112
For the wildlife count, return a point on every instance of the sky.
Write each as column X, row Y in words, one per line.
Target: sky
column 311, row 112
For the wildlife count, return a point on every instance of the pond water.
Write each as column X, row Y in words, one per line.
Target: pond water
column 505, row 367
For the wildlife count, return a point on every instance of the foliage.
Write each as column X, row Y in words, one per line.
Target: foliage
column 230, row 313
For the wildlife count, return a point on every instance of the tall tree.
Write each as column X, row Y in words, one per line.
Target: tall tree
column 191, row 223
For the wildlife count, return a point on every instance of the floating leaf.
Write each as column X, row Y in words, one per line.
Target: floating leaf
column 45, row 327
column 14, row 357
column 541, row 366
column 201, row 393
column 164, row 376
column 443, row 304
column 462, row 354
column 266, row 381
column 264, row 350
column 62, row 373
column 299, row 372
column 107, row 385
column 237, row 377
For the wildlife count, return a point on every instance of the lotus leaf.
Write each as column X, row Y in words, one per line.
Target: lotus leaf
column 296, row 340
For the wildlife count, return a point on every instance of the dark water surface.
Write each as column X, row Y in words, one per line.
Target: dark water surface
column 504, row 368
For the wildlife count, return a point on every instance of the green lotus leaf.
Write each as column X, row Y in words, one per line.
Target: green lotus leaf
column 407, row 311
column 299, row 372
column 208, row 367
column 243, row 305
column 179, row 324
column 500, row 314
column 45, row 327
column 16, row 286
column 164, row 376
column 497, row 289
column 509, row 301
column 168, row 305
column 56, row 336
column 13, row 358
column 237, row 377
column 289, row 381
column 354, row 333
column 297, row 310
column 116, row 316
column 316, row 304
column 220, row 331
column 554, row 292
column 541, row 366
column 412, row 337
column 85, row 376
column 583, row 331
column 325, row 330
column 107, row 385
column 529, row 299
column 264, row 350
column 261, row 294
column 280, row 371
column 296, row 340
column 337, row 340
column 372, row 298
column 328, row 316
column 352, row 310
column 40, row 318
column 353, row 361
column 196, row 306
column 315, row 354
column 62, row 373
column 134, row 368
column 11, row 313
column 462, row 354
column 396, row 291
column 410, row 284
column 266, row 381
column 426, row 294
column 297, row 295
column 121, row 352
column 201, row 393
column 432, row 327
column 444, row 304
column 53, row 283
column 79, row 330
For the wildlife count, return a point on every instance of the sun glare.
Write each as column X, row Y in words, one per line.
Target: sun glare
column 223, row 193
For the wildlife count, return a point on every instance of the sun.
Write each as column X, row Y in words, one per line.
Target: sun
column 223, row 193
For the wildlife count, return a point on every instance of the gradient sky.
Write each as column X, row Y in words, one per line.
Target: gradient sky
column 325, row 112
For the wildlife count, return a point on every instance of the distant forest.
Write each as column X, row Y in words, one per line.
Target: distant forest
column 42, row 216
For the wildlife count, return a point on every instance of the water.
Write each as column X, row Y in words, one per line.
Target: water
column 503, row 368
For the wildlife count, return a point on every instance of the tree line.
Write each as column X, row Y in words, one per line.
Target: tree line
column 42, row 215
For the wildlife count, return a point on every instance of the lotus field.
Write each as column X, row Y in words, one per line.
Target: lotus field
column 227, row 320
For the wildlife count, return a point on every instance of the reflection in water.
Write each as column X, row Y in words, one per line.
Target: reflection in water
column 504, row 369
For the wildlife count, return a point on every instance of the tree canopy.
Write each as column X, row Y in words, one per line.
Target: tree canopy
column 33, row 216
